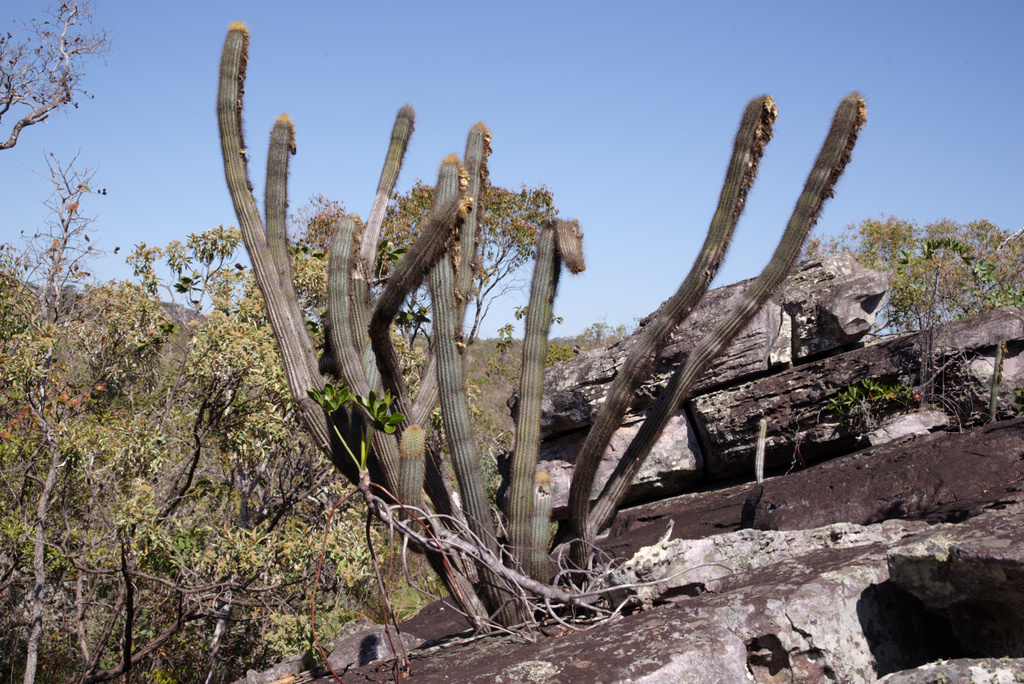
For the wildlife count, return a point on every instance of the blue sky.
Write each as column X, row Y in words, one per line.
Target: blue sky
column 625, row 111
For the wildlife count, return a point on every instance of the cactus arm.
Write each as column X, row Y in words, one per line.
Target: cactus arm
column 535, row 561
column 828, row 167
column 363, row 271
column 296, row 349
column 527, row 427
column 454, row 405
column 340, row 309
column 400, row 134
column 754, row 133
column 282, row 146
column 451, row 380
column 478, row 149
column 438, row 233
column 343, row 359
column 762, row 435
column 347, row 360
column 556, row 237
column 412, row 449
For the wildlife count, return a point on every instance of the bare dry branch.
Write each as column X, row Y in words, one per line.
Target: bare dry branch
column 42, row 67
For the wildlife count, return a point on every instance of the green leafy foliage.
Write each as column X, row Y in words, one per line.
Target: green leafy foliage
column 333, row 399
column 863, row 403
column 175, row 437
column 938, row 272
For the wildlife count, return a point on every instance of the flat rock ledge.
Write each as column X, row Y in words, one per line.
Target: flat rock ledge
column 896, row 601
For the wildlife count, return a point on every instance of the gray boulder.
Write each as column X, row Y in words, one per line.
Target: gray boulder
column 825, row 305
column 812, row 606
column 975, row 578
column 908, row 425
column 675, row 463
column 829, row 306
column 368, row 643
column 963, row 670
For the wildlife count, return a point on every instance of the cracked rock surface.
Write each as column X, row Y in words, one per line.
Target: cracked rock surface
column 821, row 605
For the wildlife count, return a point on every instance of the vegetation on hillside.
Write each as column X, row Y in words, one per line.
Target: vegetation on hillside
column 156, row 482
column 937, row 272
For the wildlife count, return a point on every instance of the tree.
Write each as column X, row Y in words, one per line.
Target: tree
column 43, row 71
column 600, row 334
column 158, row 448
column 508, row 237
column 938, row 272
column 54, row 265
column 316, row 221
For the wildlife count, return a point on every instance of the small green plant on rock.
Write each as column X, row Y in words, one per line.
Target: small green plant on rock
column 863, row 403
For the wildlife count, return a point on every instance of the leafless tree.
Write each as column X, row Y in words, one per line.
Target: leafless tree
column 56, row 256
column 42, row 64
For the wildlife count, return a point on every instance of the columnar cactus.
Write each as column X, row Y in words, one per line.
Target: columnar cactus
column 488, row 574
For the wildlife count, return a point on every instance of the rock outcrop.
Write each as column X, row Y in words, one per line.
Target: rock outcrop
column 801, row 353
column 821, row 605
column 881, row 550
column 795, row 400
column 898, row 563
column 855, row 593
column 825, row 305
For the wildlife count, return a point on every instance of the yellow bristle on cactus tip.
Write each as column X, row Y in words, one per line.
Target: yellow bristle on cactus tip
column 285, row 120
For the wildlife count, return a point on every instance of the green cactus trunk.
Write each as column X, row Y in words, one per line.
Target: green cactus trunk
column 829, row 166
column 559, row 241
column 412, row 448
column 535, row 560
column 754, row 133
column 531, row 380
column 282, row 310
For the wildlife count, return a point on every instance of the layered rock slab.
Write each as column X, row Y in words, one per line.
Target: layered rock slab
column 794, row 401
column 810, row 606
column 975, row 580
column 825, row 305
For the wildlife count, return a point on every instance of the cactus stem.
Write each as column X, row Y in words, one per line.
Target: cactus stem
column 754, row 133
column 831, row 161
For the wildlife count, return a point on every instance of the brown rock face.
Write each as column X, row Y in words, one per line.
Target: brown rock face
column 900, row 562
column 795, row 400
column 825, row 305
